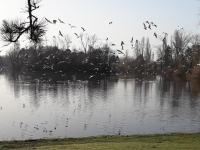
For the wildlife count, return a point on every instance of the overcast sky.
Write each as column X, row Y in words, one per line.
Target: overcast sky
column 127, row 17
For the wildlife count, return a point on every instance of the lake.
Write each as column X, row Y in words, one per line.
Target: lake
column 58, row 105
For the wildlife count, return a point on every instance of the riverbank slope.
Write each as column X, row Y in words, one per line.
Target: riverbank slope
column 156, row 141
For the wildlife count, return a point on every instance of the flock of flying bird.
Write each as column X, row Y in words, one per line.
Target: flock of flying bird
column 60, row 33
column 147, row 25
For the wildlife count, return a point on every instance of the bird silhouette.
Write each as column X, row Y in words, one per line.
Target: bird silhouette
column 120, row 52
column 110, row 22
column 154, row 25
column 48, row 57
column 147, row 22
column 132, row 46
column 48, row 20
column 73, row 27
column 122, row 43
column 54, row 21
column 131, row 40
column 155, row 34
column 61, row 21
column 106, row 39
column 60, row 33
column 164, row 39
column 76, row 35
column 83, row 29
column 149, row 26
column 144, row 26
column 91, row 76
column 165, row 34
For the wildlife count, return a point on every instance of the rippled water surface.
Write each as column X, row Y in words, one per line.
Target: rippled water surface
column 46, row 105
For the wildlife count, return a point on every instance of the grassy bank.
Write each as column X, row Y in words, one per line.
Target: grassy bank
column 138, row 142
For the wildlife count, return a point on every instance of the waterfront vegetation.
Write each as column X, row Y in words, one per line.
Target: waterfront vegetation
column 156, row 141
column 177, row 55
column 171, row 59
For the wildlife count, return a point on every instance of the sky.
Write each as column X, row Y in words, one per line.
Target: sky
column 127, row 16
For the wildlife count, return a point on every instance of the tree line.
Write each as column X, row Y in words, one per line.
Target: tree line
column 177, row 54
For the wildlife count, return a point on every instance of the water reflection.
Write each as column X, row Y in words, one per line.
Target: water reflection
column 47, row 105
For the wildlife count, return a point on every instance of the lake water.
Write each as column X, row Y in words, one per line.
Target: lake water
column 46, row 105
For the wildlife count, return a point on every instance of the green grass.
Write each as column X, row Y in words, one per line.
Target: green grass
column 137, row 142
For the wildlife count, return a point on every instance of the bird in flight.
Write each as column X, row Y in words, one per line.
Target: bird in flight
column 131, row 40
column 155, row 34
column 120, row 52
column 91, row 76
column 71, row 26
column 132, row 46
column 122, row 43
column 60, row 33
column 155, row 25
column 149, row 26
column 164, row 39
column 61, row 21
column 83, row 29
column 48, row 20
column 54, row 21
column 76, row 35
column 165, row 34
column 144, row 26
column 110, row 22
column 107, row 39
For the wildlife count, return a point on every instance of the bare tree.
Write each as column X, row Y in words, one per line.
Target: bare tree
column 139, row 47
column 12, row 30
column 84, row 38
column 92, row 40
column 195, row 53
column 180, row 40
column 142, row 46
column 161, row 54
column 65, row 41
column 147, row 51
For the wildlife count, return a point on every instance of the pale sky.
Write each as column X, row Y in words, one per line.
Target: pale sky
column 127, row 16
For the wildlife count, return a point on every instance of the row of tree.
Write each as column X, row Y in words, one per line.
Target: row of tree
column 178, row 52
column 51, row 58
column 181, row 52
